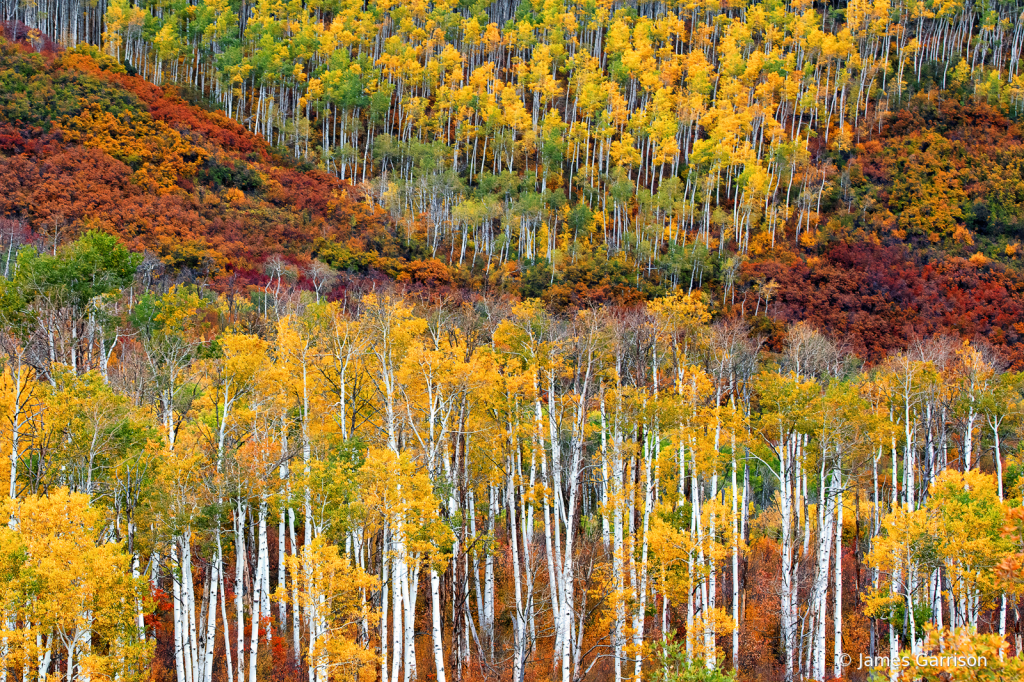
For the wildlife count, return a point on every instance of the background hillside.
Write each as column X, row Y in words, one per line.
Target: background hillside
column 791, row 177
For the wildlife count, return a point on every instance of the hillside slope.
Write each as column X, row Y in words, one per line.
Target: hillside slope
column 86, row 146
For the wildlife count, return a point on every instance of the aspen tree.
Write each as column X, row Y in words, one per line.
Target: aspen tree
column 334, row 594
column 70, row 588
column 787, row 404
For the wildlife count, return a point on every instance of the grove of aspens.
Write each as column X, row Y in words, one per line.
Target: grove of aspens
column 526, row 340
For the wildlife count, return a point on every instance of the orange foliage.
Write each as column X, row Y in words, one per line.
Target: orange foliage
column 157, row 153
column 165, row 104
column 62, row 190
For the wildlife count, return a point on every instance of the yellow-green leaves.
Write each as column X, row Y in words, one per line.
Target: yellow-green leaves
column 958, row 532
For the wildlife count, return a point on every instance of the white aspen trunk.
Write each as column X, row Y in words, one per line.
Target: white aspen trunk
column 712, row 588
column 307, row 450
column 735, row 564
column 282, row 607
column 463, row 644
column 606, row 532
column 837, row 609
column 176, row 615
column 396, row 611
column 224, row 615
column 527, row 521
column 969, row 434
column 786, row 593
column 693, row 594
column 546, row 514
column 5, row 650
column 189, row 606
column 617, row 550
column 517, row 619
column 488, row 624
column 894, row 649
column 435, row 603
column 409, row 592
column 638, row 618
column 211, row 617
column 264, row 550
column 801, row 505
column 568, row 576
column 296, row 617
column 819, row 590
column 70, row 662
column 16, row 424
column 1002, row 622
column 140, row 618
column 384, row 610
column 998, row 456
column 240, row 562
column 258, row 596
column 471, row 504
column 702, row 587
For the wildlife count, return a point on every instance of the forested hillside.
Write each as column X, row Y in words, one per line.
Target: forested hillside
column 511, row 340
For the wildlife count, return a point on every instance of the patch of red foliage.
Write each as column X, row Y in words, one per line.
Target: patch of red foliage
column 877, row 298
column 28, row 38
